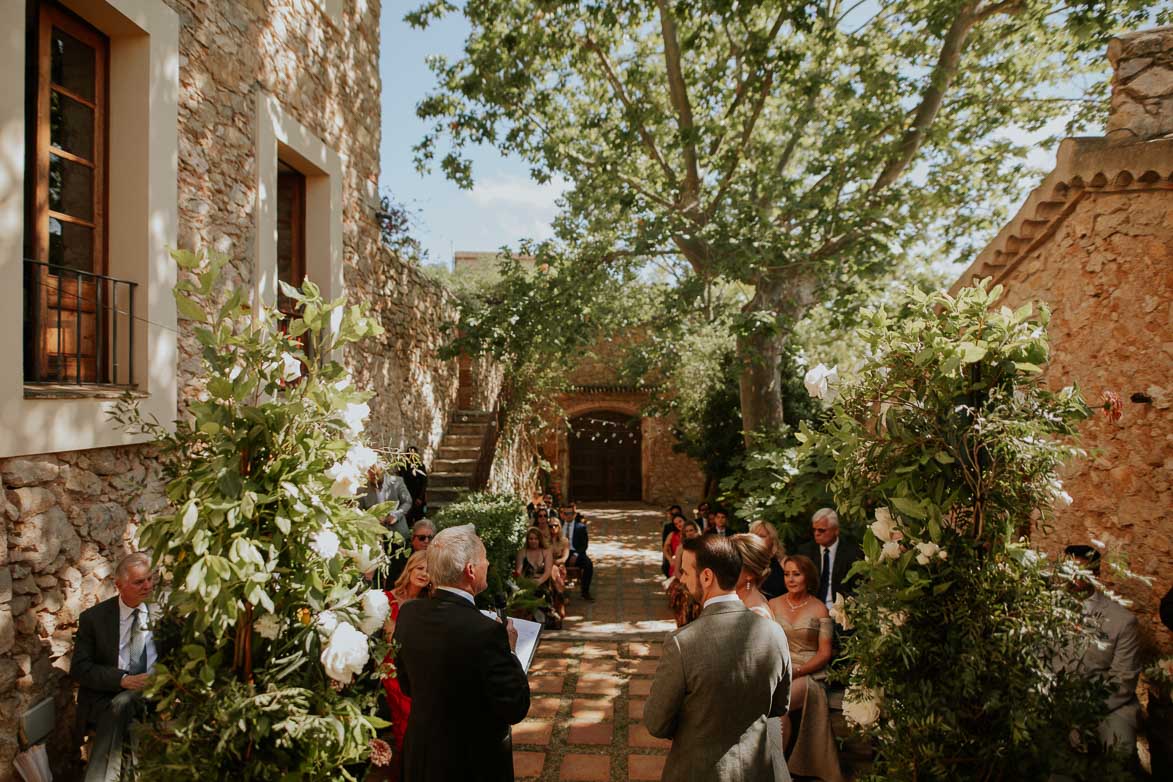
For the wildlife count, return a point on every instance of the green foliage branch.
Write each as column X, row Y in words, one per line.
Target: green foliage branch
column 501, row 523
column 946, row 445
column 262, row 558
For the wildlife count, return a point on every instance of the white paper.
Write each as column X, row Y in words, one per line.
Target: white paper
column 528, row 634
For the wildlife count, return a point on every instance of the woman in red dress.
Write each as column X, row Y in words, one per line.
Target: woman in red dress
column 412, row 583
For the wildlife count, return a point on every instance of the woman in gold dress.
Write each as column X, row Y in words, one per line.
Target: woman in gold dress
column 808, row 631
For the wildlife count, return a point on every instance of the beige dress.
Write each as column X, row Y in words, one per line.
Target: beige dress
column 814, row 754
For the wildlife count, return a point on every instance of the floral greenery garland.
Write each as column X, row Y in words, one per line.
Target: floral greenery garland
column 948, row 443
column 269, row 640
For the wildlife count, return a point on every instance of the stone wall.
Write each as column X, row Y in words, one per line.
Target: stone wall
column 66, row 520
column 1095, row 243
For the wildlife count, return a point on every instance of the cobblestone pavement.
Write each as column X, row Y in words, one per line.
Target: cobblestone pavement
column 589, row 680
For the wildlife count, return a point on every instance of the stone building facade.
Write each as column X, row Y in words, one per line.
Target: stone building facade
column 1095, row 242
column 214, row 105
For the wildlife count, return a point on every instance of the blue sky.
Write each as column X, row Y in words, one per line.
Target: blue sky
column 504, row 206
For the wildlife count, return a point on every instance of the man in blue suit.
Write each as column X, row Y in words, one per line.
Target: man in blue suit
column 575, row 527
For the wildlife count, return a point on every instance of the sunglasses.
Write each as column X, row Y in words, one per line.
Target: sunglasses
column 555, row 526
column 423, row 537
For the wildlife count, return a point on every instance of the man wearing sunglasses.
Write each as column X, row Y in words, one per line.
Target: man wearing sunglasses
column 422, row 533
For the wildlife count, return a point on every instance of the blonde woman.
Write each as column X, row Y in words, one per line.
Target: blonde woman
column 412, row 583
column 774, row 583
column 559, row 552
column 755, row 566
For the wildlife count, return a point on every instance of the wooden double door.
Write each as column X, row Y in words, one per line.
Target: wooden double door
column 605, row 457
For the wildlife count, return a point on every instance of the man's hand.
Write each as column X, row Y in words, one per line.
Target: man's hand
column 512, row 631
column 136, row 682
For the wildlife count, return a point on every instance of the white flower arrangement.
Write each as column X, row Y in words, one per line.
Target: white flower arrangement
column 821, row 381
column 366, row 558
column 927, row 551
column 375, row 610
column 325, row 543
column 346, row 654
column 346, row 478
column 269, row 626
column 361, row 458
column 326, row 623
column 839, row 612
column 355, row 416
column 861, row 706
column 290, row 368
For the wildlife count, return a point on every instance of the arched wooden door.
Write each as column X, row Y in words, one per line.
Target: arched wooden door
column 605, row 457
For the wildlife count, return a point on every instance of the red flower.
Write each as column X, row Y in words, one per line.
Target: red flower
column 1113, row 406
column 380, row 752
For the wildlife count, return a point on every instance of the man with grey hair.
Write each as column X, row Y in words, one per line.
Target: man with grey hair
column 422, row 533
column 458, row 667
column 112, row 658
column 832, row 556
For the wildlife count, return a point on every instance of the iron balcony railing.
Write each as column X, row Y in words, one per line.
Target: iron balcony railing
column 79, row 327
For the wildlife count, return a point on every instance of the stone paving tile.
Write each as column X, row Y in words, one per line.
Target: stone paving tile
column 638, row 736
column 531, row 731
column 645, row 767
column 545, row 684
column 549, row 665
column 600, row 665
column 635, row 709
column 544, row 707
column 640, row 687
column 584, row 710
column 528, row 764
column 585, row 768
column 590, row 733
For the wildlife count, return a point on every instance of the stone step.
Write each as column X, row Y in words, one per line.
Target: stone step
column 472, row 416
column 462, row 440
column 471, row 430
column 448, row 480
column 446, row 451
column 457, row 466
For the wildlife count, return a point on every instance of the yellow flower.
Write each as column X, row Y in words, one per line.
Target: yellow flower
column 303, row 616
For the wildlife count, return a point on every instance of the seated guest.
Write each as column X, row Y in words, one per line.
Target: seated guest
column 420, row 536
column 457, row 665
column 559, row 552
column 672, row 542
column 775, row 583
column 720, row 524
column 574, row 526
column 755, row 566
column 1116, row 656
column 833, row 557
column 683, row 605
column 808, row 633
column 412, row 584
column 670, row 526
column 535, row 504
column 535, row 563
column 542, row 525
column 112, row 658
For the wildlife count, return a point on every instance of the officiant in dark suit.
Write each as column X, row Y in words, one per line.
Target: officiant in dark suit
column 457, row 665
column 833, row 556
column 112, row 658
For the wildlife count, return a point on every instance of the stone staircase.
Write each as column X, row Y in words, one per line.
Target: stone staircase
column 454, row 470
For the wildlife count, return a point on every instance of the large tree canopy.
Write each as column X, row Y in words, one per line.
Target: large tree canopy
column 795, row 147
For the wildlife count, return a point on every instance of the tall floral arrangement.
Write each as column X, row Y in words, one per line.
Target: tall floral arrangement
column 946, row 445
column 269, row 639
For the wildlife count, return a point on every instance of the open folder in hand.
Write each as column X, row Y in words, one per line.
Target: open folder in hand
column 528, row 634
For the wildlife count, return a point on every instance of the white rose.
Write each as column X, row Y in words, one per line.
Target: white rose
column 366, row 558
column 926, row 551
column 820, row 382
column 362, row 458
column 890, row 620
column 326, row 623
column 839, row 612
column 268, row 626
column 355, row 416
column 943, row 555
column 1060, row 496
column 325, row 544
column 290, row 368
column 346, row 654
column 342, row 383
column 346, row 479
column 861, row 706
column 891, row 550
column 375, row 608
column 884, row 527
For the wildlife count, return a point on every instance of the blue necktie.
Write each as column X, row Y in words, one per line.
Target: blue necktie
column 825, row 576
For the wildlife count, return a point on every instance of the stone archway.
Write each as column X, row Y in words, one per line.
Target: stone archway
column 605, row 450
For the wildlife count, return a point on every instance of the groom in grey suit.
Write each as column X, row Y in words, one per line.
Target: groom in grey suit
column 723, row 679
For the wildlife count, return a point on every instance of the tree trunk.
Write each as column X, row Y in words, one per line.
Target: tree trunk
column 785, row 298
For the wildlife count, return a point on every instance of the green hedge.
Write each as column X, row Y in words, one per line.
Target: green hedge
column 501, row 522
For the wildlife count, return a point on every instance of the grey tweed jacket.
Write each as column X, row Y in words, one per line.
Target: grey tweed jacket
column 722, row 683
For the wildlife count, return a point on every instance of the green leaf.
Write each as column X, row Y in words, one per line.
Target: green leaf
column 189, row 309
column 909, row 507
column 971, row 353
column 943, row 457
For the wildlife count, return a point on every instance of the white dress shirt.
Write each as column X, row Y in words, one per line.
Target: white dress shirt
column 125, row 619
column 460, row 592
column 830, row 571
column 729, row 598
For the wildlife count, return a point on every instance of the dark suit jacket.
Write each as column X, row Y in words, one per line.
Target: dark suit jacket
column 466, row 687
column 95, row 661
column 846, row 556
column 581, row 537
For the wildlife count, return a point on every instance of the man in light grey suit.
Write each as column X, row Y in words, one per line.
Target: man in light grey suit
column 723, row 679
